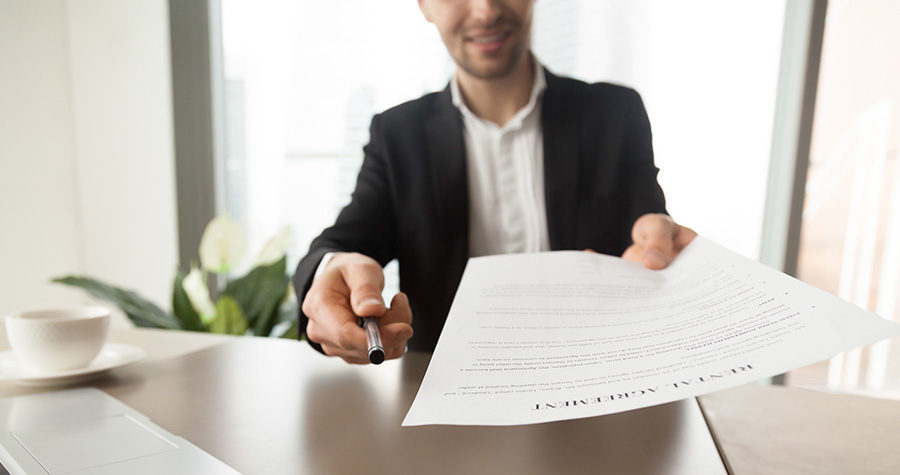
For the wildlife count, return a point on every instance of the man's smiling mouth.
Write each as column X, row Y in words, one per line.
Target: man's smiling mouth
column 489, row 38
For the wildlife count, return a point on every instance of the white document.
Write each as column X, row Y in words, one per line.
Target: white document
column 563, row 335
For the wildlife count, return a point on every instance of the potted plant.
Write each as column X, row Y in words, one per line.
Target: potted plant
column 261, row 302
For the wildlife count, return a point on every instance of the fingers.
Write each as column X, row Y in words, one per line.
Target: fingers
column 394, row 338
column 348, row 288
column 400, row 311
column 365, row 280
column 348, row 357
column 336, row 328
column 633, row 253
column 657, row 240
column 327, row 308
column 396, row 326
column 683, row 237
column 654, row 234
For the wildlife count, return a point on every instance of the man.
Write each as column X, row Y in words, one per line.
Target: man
column 508, row 158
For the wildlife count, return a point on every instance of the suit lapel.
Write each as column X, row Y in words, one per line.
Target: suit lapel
column 447, row 162
column 560, row 126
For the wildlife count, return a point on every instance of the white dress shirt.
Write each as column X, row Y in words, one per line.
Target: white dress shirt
column 507, row 211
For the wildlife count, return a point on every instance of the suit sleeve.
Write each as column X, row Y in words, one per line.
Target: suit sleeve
column 640, row 187
column 366, row 225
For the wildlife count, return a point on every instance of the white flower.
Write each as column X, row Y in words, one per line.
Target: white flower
column 275, row 247
column 222, row 245
column 198, row 294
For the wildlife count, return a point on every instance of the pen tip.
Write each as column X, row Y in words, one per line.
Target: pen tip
column 376, row 356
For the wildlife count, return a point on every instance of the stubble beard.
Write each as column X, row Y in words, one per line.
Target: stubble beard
column 516, row 54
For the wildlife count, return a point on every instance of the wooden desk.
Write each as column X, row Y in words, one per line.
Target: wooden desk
column 275, row 406
column 778, row 429
column 267, row 406
column 286, row 409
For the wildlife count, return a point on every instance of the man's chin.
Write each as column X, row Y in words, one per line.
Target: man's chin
column 489, row 69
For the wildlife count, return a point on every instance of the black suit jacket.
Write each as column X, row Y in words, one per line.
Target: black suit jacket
column 411, row 198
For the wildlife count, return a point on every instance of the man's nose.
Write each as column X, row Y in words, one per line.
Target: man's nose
column 485, row 12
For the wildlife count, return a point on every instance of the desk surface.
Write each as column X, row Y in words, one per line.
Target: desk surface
column 284, row 408
column 777, row 429
column 269, row 388
column 276, row 406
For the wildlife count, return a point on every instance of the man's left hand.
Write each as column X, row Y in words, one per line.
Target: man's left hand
column 657, row 240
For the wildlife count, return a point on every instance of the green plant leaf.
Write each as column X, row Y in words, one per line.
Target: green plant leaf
column 286, row 320
column 259, row 295
column 291, row 332
column 182, row 308
column 230, row 320
column 140, row 310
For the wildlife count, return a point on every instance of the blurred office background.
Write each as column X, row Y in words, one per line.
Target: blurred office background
column 125, row 126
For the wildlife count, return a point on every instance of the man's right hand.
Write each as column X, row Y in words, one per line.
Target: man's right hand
column 350, row 287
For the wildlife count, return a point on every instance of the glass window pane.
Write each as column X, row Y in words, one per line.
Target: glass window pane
column 850, row 239
column 303, row 78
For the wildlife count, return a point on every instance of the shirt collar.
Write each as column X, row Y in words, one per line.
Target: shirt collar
column 540, row 83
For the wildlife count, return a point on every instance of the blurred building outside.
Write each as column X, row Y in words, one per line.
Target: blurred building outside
column 850, row 239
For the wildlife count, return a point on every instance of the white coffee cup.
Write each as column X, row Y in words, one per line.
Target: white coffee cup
column 47, row 341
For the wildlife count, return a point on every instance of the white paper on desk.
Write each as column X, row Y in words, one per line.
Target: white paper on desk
column 563, row 335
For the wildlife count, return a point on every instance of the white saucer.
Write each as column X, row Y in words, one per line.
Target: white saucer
column 113, row 355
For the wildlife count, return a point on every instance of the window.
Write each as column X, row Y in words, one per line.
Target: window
column 850, row 238
column 303, row 78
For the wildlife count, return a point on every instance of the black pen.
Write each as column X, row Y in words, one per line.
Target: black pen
column 373, row 338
